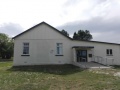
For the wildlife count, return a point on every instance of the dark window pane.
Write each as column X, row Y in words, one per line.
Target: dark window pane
column 84, row 53
column 110, row 51
column 107, row 51
column 26, row 48
column 58, row 50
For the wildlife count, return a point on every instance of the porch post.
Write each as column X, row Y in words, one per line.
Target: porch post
column 74, row 54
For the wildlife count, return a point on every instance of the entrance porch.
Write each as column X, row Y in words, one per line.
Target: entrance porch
column 83, row 56
column 83, row 53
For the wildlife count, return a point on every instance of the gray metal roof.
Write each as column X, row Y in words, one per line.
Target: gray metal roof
column 83, row 47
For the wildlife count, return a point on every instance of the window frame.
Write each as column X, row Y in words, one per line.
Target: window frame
column 109, row 52
column 59, row 49
column 26, row 47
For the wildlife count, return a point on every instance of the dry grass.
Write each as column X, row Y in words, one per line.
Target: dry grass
column 62, row 77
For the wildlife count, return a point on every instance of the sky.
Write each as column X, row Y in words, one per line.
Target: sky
column 100, row 17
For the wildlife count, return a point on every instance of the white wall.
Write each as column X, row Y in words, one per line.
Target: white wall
column 42, row 32
column 100, row 50
column 43, row 41
column 42, row 52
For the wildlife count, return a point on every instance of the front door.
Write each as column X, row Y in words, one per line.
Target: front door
column 81, row 55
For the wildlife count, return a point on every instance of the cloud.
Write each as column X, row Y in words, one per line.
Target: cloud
column 103, row 30
column 31, row 12
column 108, row 37
column 71, row 2
column 10, row 29
column 102, row 19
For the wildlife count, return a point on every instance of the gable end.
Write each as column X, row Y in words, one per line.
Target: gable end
column 39, row 25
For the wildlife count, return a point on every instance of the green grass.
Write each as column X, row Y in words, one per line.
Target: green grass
column 58, row 77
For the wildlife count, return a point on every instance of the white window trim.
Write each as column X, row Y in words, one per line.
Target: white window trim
column 108, row 54
column 61, row 50
column 23, row 49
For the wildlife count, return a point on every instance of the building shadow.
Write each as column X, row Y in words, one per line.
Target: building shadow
column 6, row 60
column 51, row 69
column 116, row 66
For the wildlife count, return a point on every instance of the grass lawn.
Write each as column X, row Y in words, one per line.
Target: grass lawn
column 62, row 77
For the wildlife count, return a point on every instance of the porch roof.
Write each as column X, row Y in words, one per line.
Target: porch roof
column 83, row 47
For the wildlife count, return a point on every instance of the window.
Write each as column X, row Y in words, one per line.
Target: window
column 59, row 49
column 109, row 52
column 25, row 48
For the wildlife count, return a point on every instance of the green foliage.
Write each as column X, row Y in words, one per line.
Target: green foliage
column 75, row 36
column 6, row 44
column 82, row 35
column 65, row 32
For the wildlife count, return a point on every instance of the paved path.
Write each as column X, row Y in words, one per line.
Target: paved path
column 90, row 65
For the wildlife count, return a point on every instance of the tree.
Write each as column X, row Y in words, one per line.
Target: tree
column 75, row 36
column 6, row 46
column 82, row 35
column 65, row 32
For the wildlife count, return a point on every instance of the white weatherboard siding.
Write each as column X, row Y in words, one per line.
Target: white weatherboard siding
column 42, row 48
column 42, row 42
column 100, row 50
column 42, row 32
column 42, row 52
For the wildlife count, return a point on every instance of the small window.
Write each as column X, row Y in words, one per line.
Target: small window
column 90, row 55
column 25, row 48
column 59, row 49
column 109, row 52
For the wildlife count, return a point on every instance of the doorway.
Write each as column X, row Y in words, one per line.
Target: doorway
column 81, row 55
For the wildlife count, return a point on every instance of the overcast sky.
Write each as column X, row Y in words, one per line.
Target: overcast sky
column 100, row 17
